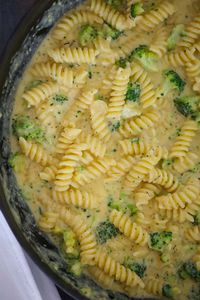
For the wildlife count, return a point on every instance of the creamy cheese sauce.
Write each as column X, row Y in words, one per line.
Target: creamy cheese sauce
column 164, row 268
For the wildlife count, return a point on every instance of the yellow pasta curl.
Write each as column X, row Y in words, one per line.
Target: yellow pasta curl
column 74, row 55
column 180, row 58
column 67, row 166
column 154, row 17
column 35, row 152
column 45, row 113
column 188, row 162
column 159, row 43
column 86, row 98
column 193, row 234
column 99, row 123
column 114, row 269
column 109, row 14
column 131, row 230
column 95, row 145
column 164, row 178
column 183, row 141
column 196, row 258
column 154, row 286
column 68, row 22
column 75, row 197
column 49, row 173
column 121, row 168
column 145, row 193
column 67, row 137
column 191, row 33
column 140, row 147
column 38, row 94
column 134, row 126
column 148, row 94
column 100, row 276
column 118, row 93
column 48, row 220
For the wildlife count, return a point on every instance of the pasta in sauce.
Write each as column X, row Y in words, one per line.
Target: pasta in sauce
column 106, row 144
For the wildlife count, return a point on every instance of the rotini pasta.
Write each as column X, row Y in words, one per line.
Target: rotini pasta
column 138, row 147
column 131, row 230
column 74, row 55
column 67, row 137
column 118, row 93
column 159, row 43
column 96, row 147
column 183, row 141
column 164, row 178
column 188, row 162
column 193, row 234
column 145, row 193
column 180, row 58
column 121, row 168
column 191, row 33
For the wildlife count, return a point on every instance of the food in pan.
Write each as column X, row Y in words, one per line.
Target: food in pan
column 105, row 142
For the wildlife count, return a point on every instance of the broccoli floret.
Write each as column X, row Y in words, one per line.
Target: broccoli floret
column 109, row 31
column 60, row 98
column 138, row 268
column 187, row 105
column 167, row 291
column 174, row 37
column 136, row 9
column 33, row 84
column 70, row 244
column 147, row 58
column 17, row 162
column 87, row 34
column 105, row 231
column 23, row 126
column 159, row 240
column 122, row 205
column 189, row 270
column 197, row 219
column 172, row 81
column 133, row 92
column 122, row 62
column 76, row 268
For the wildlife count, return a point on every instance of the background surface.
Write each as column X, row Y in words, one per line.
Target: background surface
column 11, row 12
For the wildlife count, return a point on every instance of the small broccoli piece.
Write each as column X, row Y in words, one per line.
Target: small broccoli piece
column 76, row 269
column 70, row 244
column 122, row 62
column 60, row 98
column 105, row 231
column 17, row 162
column 87, row 34
column 172, row 81
column 114, row 126
column 159, row 240
column 133, row 92
column 187, row 105
column 167, row 291
column 166, row 163
column 23, row 126
column 147, row 58
column 136, row 9
column 189, row 270
column 86, row 291
column 109, row 31
column 138, row 268
column 33, row 84
column 122, row 205
column 175, row 36
column 197, row 219
column 164, row 257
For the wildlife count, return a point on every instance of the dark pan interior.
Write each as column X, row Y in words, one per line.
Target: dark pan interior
column 18, row 53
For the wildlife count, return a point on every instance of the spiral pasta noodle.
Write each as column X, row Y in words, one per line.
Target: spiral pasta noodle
column 121, row 168
column 49, row 173
column 45, row 113
column 131, row 230
column 94, row 170
column 100, row 276
column 99, row 124
column 40, row 93
column 153, row 18
column 196, row 258
column 164, row 178
column 67, row 165
column 145, row 193
column 68, row 22
column 148, row 94
column 74, row 197
column 134, row 126
column 193, row 69
column 67, row 137
column 191, row 33
column 35, row 152
column 180, row 198
column 48, row 221
column 114, row 269
column 183, row 141
column 86, row 158
column 118, row 93
column 188, row 162
column 193, row 234
column 86, row 98
column 139, row 171
column 154, row 286
column 159, row 43
column 74, row 55
column 95, row 145
column 180, row 58
column 140, row 147
column 109, row 14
